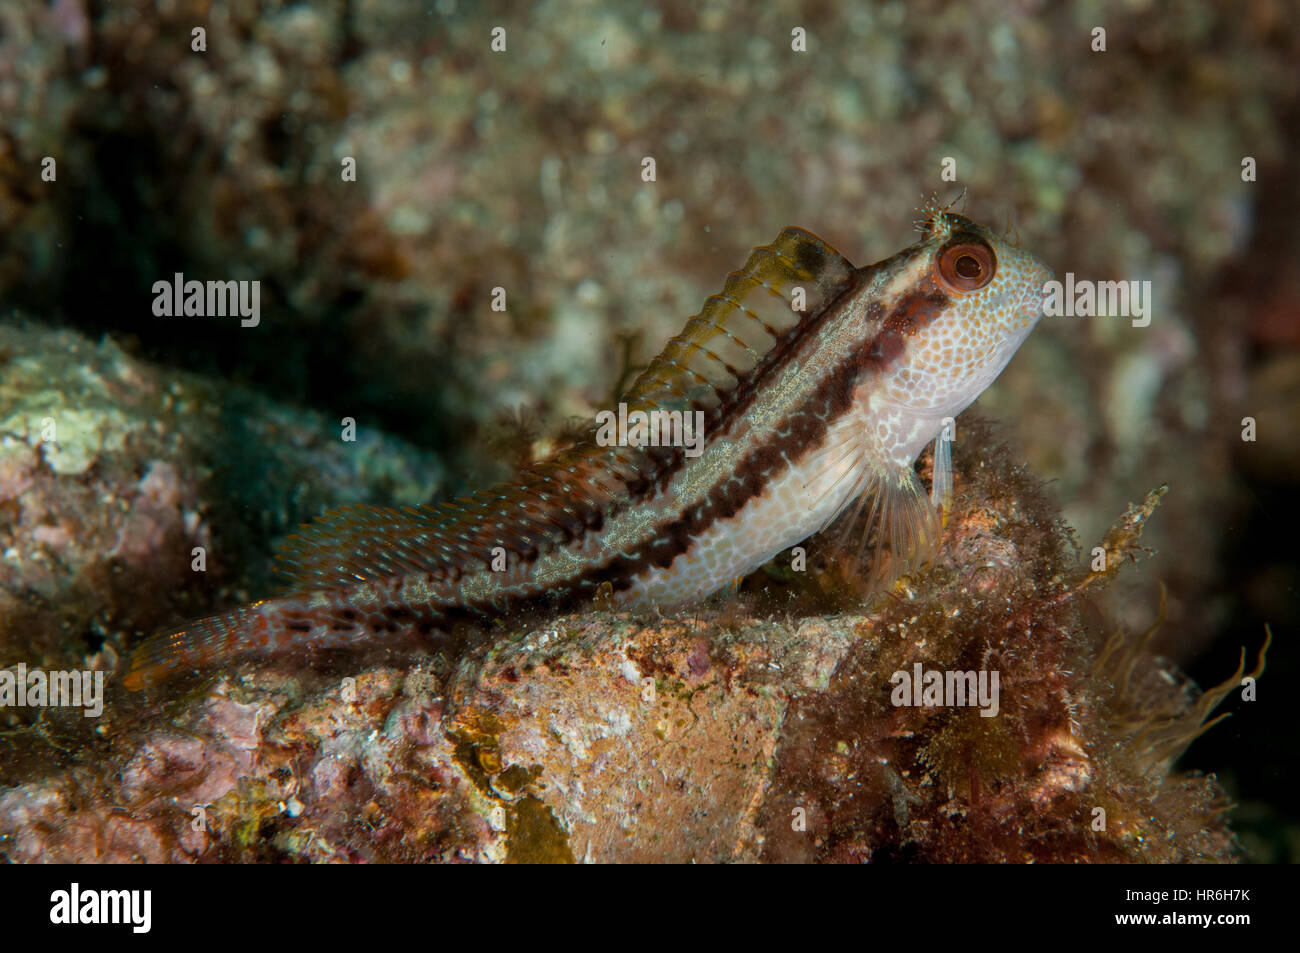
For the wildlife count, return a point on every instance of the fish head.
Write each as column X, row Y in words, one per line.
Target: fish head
column 953, row 310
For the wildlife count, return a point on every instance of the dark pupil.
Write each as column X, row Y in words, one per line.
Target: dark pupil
column 968, row 267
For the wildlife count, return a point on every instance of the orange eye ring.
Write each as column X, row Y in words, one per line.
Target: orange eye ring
column 967, row 265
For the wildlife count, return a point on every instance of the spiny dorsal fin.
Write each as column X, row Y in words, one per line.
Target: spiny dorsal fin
column 719, row 349
column 726, row 342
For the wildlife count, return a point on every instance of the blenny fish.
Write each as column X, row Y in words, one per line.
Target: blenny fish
column 819, row 384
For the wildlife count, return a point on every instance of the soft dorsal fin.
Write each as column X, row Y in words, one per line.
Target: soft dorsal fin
column 719, row 350
column 551, row 503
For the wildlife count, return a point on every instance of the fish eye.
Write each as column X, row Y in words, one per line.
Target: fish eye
column 967, row 265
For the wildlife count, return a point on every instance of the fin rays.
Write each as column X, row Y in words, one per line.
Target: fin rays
column 722, row 347
column 197, row 643
column 902, row 528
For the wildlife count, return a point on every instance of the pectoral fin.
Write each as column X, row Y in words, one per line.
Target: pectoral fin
column 900, row 532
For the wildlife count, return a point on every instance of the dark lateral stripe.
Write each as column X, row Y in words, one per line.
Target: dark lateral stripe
column 736, row 402
column 806, row 429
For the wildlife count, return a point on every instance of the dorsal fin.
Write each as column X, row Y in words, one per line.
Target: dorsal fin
column 550, row 504
column 728, row 340
column 722, row 347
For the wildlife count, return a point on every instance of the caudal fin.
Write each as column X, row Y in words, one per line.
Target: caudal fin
column 196, row 644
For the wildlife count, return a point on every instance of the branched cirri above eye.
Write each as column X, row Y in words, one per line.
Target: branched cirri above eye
column 966, row 265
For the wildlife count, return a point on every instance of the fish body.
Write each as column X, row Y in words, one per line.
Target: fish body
column 818, row 384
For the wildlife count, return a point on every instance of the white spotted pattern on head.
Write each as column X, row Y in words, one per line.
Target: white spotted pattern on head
column 956, row 354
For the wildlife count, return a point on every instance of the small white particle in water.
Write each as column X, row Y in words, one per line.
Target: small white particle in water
column 399, row 71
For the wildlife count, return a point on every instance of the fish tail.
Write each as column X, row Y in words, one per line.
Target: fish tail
column 198, row 644
column 305, row 622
